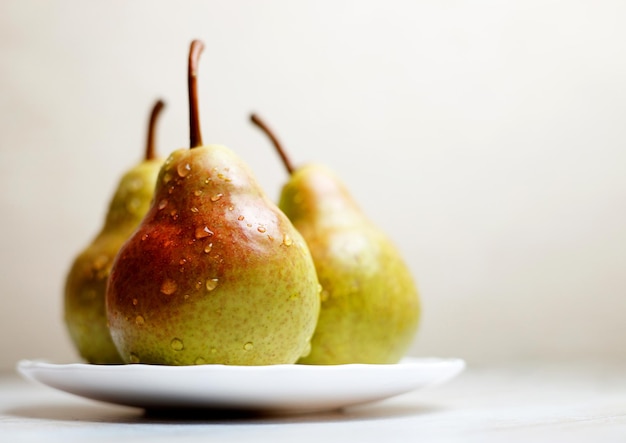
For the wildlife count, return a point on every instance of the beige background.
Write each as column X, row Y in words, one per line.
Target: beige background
column 487, row 138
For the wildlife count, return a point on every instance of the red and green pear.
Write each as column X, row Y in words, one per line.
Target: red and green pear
column 215, row 273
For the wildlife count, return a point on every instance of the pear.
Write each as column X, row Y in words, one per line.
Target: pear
column 370, row 305
column 215, row 273
column 85, row 285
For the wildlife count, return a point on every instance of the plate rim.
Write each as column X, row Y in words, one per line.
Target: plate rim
column 42, row 371
column 26, row 364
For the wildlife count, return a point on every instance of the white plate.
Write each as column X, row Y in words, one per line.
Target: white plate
column 279, row 388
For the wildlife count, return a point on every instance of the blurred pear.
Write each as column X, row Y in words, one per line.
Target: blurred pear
column 86, row 282
column 370, row 306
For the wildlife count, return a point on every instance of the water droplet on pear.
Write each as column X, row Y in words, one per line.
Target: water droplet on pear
column 168, row 287
column 287, row 241
column 211, row 284
column 203, row 232
column 133, row 205
column 177, row 344
column 183, row 169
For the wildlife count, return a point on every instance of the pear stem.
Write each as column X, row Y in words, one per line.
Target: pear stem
column 156, row 111
column 195, row 136
column 283, row 155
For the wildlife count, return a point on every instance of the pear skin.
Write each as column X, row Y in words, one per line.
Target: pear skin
column 215, row 273
column 370, row 304
column 85, row 287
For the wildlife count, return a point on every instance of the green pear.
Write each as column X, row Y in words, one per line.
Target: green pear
column 215, row 273
column 85, row 286
column 370, row 305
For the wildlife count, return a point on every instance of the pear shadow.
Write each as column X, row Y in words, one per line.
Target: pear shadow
column 97, row 413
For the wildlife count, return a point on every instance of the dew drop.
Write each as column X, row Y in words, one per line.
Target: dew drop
column 139, row 320
column 195, row 210
column 211, row 284
column 135, row 301
column 133, row 358
column 324, row 295
column 248, row 346
column 198, row 192
column 241, row 217
column 167, row 177
column 182, row 261
column 133, row 205
column 287, row 241
column 186, row 296
column 200, row 361
column 162, row 204
column 216, row 197
column 169, row 286
column 177, row 344
column 231, row 207
column 100, row 262
column 203, row 232
column 102, row 274
column 208, row 248
column 144, row 237
column 170, row 190
column 223, row 177
column 249, row 225
column 198, row 284
column 261, row 229
column 135, row 184
column 183, row 169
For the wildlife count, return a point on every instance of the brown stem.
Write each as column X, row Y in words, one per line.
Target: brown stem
column 156, row 110
column 283, row 155
column 195, row 136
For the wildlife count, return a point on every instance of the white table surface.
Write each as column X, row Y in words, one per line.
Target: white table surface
column 525, row 402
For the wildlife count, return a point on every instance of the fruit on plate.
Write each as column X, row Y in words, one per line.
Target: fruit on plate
column 85, row 284
column 370, row 305
column 215, row 273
